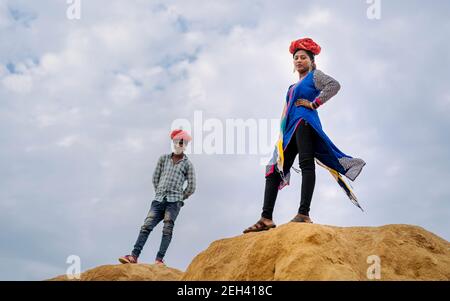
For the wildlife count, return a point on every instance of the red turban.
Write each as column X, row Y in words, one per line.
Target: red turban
column 180, row 134
column 304, row 44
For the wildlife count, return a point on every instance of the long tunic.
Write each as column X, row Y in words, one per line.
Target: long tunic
column 316, row 87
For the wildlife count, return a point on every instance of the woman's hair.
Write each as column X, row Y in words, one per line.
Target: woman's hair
column 311, row 57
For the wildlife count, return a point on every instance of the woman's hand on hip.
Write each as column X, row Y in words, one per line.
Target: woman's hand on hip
column 304, row 103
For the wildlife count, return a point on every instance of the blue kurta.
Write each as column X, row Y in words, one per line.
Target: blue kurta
column 324, row 149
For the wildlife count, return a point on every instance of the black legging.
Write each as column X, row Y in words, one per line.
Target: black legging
column 302, row 143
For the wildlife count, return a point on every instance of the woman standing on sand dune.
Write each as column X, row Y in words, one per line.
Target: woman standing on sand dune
column 301, row 133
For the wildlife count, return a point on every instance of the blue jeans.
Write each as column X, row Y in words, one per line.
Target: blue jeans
column 167, row 211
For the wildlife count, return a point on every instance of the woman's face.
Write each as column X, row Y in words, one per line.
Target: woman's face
column 302, row 62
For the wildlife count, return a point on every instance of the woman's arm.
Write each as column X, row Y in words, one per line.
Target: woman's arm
column 327, row 85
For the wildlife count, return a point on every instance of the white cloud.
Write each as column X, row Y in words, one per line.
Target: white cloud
column 68, row 141
column 3, row 71
column 55, row 115
column 443, row 105
column 51, row 63
column 132, row 144
column 317, row 16
column 18, row 83
column 124, row 90
column 5, row 19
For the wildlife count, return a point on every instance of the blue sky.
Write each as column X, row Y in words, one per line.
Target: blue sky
column 87, row 105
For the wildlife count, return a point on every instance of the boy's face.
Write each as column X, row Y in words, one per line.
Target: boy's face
column 179, row 146
column 179, row 142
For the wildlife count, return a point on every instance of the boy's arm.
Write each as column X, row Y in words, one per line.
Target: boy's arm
column 157, row 172
column 190, row 188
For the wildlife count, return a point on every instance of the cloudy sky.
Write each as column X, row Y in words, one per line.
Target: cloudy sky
column 86, row 106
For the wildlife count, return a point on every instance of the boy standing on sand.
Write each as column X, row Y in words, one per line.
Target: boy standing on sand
column 169, row 176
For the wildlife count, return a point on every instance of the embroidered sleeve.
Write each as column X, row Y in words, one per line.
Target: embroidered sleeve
column 327, row 86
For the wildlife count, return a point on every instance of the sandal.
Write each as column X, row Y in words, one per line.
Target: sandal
column 128, row 259
column 258, row 227
column 301, row 218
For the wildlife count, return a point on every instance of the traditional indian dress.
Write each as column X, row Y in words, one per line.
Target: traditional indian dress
column 317, row 87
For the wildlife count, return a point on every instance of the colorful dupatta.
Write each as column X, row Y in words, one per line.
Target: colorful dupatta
column 326, row 154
